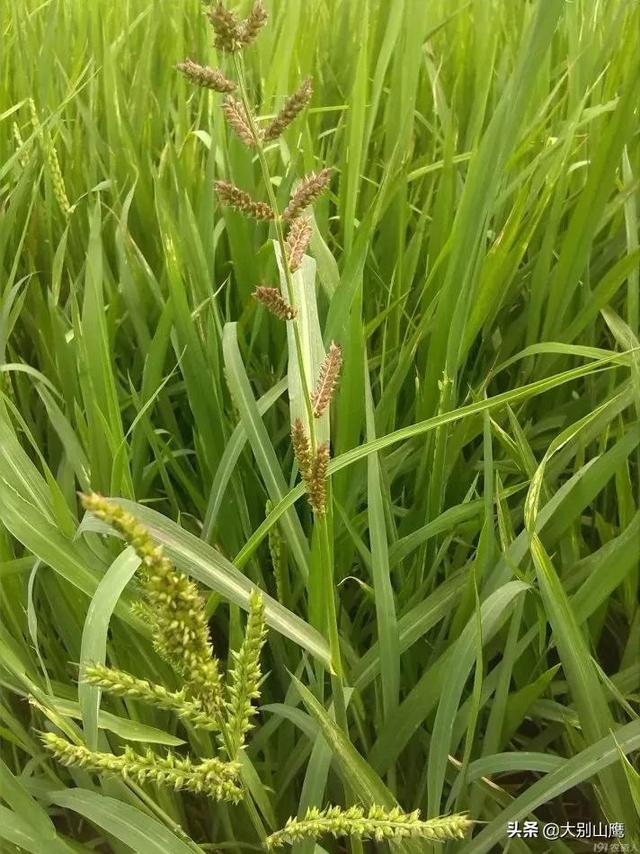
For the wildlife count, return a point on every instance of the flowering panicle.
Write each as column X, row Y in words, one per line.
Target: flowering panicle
column 23, row 158
column 301, row 448
column 275, row 302
column 313, row 466
column 226, row 26
column 255, row 21
column 317, row 481
column 206, row 77
column 377, row 824
column 311, row 188
column 289, row 112
column 212, row 777
column 238, row 119
column 244, row 678
column 180, row 629
column 231, row 33
column 242, row 201
column 323, row 393
column 59, row 189
column 298, row 241
column 119, row 683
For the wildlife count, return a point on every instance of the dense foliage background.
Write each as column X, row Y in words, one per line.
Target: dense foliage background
column 477, row 258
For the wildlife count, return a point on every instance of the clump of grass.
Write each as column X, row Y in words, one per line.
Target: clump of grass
column 181, row 637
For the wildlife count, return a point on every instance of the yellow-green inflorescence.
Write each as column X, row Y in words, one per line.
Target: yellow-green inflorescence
column 181, row 636
column 375, row 823
column 243, row 682
column 212, row 777
column 180, row 629
column 119, row 683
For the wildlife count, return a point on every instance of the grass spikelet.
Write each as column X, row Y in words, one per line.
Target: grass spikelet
column 322, row 395
column 119, row 683
column 227, row 27
column 289, row 112
column 272, row 299
column 301, row 448
column 23, row 157
column 237, row 118
column 244, row 678
column 255, row 21
column 317, row 479
column 311, row 188
column 298, row 241
column 376, row 823
column 180, row 629
column 212, row 777
column 206, row 77
column 59, row 189
column 240, row 200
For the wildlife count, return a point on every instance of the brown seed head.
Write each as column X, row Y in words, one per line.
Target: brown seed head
column 323, row 393
column 298, row 240
column 317, row 480
column 273, row 300
column 309, row 190
column 207, row 78
column 242, row 201
column 227, row 28
column 237, row 117
column 301, row 448
column 256, row 20
column 294, row 105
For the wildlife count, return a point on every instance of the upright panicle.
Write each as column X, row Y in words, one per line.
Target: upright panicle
column 298, row 241
column 317, row 481
column 309, row 190
column 292, row 108
column 239, row 120
column 227, row 27
column 253, row 24
column 324, row 391
column 244, row 680
column 301, row 448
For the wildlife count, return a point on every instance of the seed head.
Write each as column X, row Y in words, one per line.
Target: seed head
column 237, row 117
column 119, row 683
column 257, row 18
column 272, row 299
column 317, row 480
column 377, row 823
column 242, row 201
column 227, row 28
column 206, row 77
column 177, row 610
column 322, row 395
column 301, row 448
column 298, row 241
column 309, row 190
column 244, row 679
column 294, row 105
column 212, row 777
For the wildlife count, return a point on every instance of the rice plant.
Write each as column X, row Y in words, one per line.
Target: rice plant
column 324, row 312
